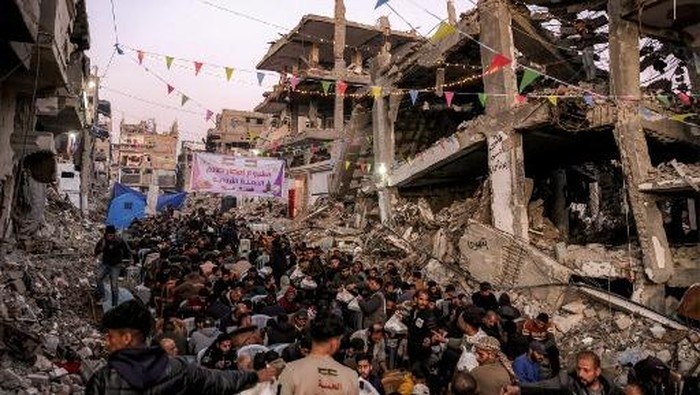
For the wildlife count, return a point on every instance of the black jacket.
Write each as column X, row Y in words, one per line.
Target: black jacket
column 151, row 371
column 567, row 383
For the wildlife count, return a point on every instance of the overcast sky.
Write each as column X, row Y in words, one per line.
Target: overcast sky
column 192, row 29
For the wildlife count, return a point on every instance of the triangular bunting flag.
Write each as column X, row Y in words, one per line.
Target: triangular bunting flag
column 169, row 61
column 663, row 99
column 170, row 89
column 210, row 114
column 380, row 3
column 499, row 61
column 482, row 99
column 588, row 99
column 325, row 85
column 377, row 91
column 139, row 54
column 294, row 81
column 449, row 95
column 341, row 87
column 520, row 99
column 681, row 117
column 347, row 164
column 198, row 67
column 445, row 30
column 528, row 78
column 414, row 96
column 553, row 99
column 684, row 98
column 261, row 77
column 229, row 73
column 184, row 100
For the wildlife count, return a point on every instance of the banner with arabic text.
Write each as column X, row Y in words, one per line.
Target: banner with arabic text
column 237, row 175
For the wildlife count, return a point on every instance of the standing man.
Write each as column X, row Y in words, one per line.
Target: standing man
column 527, row 366
column 135, row 368
column 114, row 250
column 374, row 308
column 319, row 373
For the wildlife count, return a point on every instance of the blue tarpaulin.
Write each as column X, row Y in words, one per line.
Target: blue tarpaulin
column 128, row 204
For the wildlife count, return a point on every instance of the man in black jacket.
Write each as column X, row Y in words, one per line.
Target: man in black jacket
column 113, row 250
column 134, row 368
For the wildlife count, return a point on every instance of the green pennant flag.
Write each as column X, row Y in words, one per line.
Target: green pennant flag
column 229, row 73
column 482, row 99
column 664, row 100
column 169, row 61
column 326, row 85
column 528, row 78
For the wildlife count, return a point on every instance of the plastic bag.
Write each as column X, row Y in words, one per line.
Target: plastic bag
column 395, row 326
column 344, row 296
column 308, row 284
column 354, row 305
column 297, row 274
column 467, row 361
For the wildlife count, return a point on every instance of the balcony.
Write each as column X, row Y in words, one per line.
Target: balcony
column 19, row 20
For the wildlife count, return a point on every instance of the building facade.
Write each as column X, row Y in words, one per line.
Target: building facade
column 145, row 157
column 236, row 131
column 184, row 163
column 46, row 94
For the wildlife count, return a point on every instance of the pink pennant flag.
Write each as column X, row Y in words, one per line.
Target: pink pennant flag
column 341, row 87
column 684, row 98
column 294, row 82
column 210, row 114
column 449, row 95
column 498, row 62
column 170, row 89
column 198, row 67
column 139, row 54
column 520, row 99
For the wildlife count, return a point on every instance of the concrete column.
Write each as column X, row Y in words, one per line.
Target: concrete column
column 634, row 152
column 339, row 67
column 560, row 212
column 7, row 180
column 384, row 115
column 505, row 147
column 86, row 170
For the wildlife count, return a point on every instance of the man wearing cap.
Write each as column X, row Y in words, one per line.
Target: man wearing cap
column 133, row 367
column 527, row 366
column 113, row 250
column 319, row 373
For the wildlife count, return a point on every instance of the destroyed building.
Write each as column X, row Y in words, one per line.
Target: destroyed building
column 146, row 157
column 329, row 55
column 235, row 131
column 47, row 94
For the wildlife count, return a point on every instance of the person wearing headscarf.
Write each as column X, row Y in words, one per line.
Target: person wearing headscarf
column 494, row 371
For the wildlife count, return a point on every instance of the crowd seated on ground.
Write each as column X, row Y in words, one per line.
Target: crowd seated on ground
column 232, row 298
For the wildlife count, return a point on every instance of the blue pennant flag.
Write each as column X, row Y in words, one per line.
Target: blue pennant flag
column 380, row 3
column 414, row 96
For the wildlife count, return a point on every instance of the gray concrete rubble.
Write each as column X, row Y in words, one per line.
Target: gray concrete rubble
column 47, row 327
column 451, row 247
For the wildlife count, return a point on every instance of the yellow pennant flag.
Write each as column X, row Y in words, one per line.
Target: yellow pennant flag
column 445, row 30
column 377, row 92
column 553, row 99
column 681, row 117
column 229, row 73
column 169, row 61
column 347, row 164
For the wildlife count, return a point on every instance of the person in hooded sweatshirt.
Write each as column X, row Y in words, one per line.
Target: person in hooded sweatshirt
column 135, row 368
column 204, row 336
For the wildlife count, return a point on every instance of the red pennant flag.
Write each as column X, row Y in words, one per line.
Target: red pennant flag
column 170, row 89
column 139, row 54
column 197, row 67
column 341, row 87
column 209, row 115
column 684, row 98
column 294, row 82
column 314, row 149
column 520, row 99
column 498, row 62
column 448, row 97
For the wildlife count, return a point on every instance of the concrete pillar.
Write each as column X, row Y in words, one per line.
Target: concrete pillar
column 560, row 210
column 7, row 180
column 384, row 113
column 451, row 13
column 634, row 152
column 86, row 170
column 505, row 147
column 339, row 67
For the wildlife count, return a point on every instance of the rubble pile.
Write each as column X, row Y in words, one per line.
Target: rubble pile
column 667, row 171
column 420, row 239
column 48, row 337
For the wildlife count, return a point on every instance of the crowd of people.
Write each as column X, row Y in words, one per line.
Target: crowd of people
column 236, row 307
